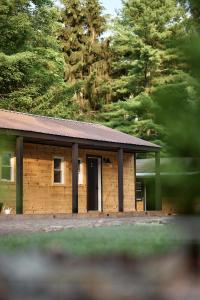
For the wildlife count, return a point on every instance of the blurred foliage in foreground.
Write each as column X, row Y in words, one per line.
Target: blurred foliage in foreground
column 178, row 110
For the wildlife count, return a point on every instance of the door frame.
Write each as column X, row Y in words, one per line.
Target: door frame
column 100, row 193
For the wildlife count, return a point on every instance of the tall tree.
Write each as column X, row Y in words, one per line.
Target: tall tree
column 86, row 52
column 31, row 63
column 141, row 43
column 144, row 57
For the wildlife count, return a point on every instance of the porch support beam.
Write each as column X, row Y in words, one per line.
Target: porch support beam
column 75, row 178
column 19, row 174
column 120, row 180
column 135, row 179
column 157, row 182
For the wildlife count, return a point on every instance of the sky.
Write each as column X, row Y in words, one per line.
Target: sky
column 111, row 5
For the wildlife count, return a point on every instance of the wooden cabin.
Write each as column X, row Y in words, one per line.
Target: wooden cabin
column 56, row 166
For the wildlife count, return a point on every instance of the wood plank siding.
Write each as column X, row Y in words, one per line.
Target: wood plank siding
column 42, row 196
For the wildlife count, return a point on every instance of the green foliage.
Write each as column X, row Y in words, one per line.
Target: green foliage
column 60, row 63
column 142, row 44
column 178, row 110
column 145, row 57
column 136, row 117
column 87, row 56
column 31, row 63
column 193, row 8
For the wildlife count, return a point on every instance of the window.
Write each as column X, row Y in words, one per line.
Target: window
column 7, row 168
column 59, row 170
column 80, row 171
column 139, row 191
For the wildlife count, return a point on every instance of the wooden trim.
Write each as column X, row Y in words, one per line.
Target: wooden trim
column 145, row 196
column 12, row 168
column 19, row 175
column 63, row 171
column 120, row 180
column 157, row 182
column 75, row 178
column 35, row 137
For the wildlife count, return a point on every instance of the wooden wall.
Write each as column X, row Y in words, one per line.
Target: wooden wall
column 140, row 206
column 42, row 196
column 7, row 189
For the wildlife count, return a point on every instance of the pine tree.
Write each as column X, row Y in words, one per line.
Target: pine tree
column 86, row 53
column 136, row 117
column 97, row 89
column 141, row 43
column 73, row 40
column 145, row 58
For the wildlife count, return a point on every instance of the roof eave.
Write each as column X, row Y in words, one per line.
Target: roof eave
column 31, row 135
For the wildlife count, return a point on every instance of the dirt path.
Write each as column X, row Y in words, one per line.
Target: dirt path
column 20, row 224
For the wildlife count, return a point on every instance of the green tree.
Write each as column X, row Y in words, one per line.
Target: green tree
column 142, row 39
column 136, row 116
column 31, row 63
column 86, row 52
column 193, row 9
column 144, row 58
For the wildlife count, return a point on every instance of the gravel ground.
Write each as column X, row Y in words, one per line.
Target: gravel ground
column 20, row 224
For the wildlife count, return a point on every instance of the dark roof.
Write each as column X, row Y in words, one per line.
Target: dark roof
column 168, row 166
column 67, row 128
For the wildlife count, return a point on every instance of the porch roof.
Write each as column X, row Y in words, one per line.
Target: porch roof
column 27, row 124
column 173, row 166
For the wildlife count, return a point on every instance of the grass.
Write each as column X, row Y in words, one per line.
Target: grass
column 138, row 240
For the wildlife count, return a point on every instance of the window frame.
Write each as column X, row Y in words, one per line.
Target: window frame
column 12, row 167
column 141, row 191
column 80, row 171
column 62, row 159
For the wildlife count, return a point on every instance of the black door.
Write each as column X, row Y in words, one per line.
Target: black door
column 92, row 176
column 150, row 195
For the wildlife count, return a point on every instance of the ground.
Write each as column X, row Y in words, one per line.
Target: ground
column 90, row 236
column 21, row 224
column 96, row 259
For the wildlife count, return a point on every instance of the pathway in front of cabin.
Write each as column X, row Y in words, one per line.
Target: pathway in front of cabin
column 20, row 224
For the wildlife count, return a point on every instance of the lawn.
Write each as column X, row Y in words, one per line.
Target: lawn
column 136, row 240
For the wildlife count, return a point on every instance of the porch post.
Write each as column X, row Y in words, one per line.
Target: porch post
column 120, row 180
column 135, row 179
column 157, row 182
column 75, row 178
column 19, row 174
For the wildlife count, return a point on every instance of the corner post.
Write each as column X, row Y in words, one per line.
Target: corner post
column 135, row 178
column 75, row 178
column 19, row 174
column 157, row 182
column 120, row 180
